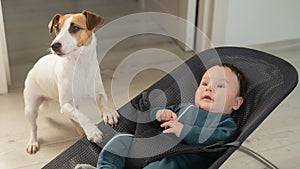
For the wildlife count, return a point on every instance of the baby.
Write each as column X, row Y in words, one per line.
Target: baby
column 205, row 122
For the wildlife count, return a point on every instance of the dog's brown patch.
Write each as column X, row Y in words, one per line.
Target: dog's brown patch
column 83, row 35
column 81, row 27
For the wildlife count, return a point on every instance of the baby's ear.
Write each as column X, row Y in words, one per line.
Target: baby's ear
column 238, row 102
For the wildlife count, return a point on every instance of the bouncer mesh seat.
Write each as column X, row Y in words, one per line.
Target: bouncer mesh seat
column 270, row 79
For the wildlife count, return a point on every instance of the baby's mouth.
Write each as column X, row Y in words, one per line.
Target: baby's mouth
column 207, row 97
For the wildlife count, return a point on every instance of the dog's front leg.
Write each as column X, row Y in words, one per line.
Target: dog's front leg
column 108, row 114
column 92, row 132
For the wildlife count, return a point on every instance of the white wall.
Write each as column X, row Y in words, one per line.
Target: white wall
column 185, row 9
column 4, row 66
column 255, row 21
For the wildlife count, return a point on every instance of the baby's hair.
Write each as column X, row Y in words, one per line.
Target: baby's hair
column 240, row 76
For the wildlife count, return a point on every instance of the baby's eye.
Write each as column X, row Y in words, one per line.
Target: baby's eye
column 204, row 84
column 221, row 86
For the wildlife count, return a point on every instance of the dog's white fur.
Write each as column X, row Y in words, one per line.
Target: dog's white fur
column 69, row 74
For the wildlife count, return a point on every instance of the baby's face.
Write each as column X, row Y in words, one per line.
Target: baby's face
column 218, row 91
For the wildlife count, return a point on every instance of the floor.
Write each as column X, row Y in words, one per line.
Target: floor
column 277, row 138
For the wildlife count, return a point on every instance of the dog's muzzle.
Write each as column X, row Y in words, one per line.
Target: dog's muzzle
column 56, row 47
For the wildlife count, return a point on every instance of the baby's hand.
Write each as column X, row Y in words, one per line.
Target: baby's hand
column 172, row 127
column 165, row 115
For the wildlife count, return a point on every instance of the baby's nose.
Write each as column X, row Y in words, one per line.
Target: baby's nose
column 208, row 88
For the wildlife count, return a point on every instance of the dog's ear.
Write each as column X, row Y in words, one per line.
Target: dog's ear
column 92, row 20
column 53, row 22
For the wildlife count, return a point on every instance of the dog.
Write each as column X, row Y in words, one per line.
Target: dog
column 69, row 74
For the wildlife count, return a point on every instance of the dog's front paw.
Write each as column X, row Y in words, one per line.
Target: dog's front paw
column 110, row 116
column 93, row 134
column 32, row 147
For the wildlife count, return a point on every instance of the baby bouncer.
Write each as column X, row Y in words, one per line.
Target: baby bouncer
column 270, row 80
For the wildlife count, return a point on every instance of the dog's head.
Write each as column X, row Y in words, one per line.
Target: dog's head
column 73, row 31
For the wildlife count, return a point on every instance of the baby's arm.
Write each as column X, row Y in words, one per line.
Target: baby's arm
column 162, row 114
column 173, row 127
column 207, row 135
column 165, row 115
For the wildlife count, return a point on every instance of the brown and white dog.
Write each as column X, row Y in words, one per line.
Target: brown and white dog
column 71, row 73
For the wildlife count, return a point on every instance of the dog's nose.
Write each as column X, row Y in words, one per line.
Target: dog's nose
column 56, row 47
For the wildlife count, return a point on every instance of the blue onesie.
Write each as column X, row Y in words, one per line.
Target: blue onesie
column 200, row 127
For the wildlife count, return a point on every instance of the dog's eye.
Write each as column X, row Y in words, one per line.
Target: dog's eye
column 74, row 28
column 56, row 28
